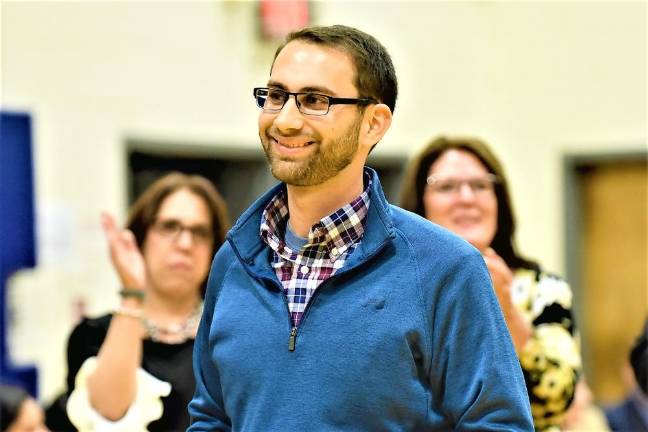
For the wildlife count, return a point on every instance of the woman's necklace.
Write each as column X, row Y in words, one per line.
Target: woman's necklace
column 175, row 333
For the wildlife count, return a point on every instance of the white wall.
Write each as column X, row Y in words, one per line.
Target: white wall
column 535, row 80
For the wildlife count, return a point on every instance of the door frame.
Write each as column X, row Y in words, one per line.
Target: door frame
column 574, row 166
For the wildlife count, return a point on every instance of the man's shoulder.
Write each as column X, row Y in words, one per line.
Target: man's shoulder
column 225, row 255
column 426, row 236
column 410, row 223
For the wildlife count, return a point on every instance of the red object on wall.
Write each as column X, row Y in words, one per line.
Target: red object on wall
column 280, row 17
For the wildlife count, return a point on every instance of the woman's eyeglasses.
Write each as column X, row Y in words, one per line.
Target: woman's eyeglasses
column 172, row 228
column 452, row 185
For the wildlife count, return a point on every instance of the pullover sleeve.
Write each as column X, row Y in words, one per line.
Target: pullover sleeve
column 206, row 409
column 475, row 375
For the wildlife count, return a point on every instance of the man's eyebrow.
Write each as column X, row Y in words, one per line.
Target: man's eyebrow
column 314, row 89
column 310, row 89
column 275, row 84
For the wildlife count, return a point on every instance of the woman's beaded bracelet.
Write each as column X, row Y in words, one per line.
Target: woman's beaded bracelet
column 129, row 312
column 132, row 292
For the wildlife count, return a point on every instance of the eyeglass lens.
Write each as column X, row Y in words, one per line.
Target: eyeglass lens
column 172, row 228
column 308, row 103
column 453, row 185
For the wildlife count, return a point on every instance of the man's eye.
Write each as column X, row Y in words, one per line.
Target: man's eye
column 314, row 100
column 275, row 96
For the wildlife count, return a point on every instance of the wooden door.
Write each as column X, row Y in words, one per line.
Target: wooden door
column 613, row 264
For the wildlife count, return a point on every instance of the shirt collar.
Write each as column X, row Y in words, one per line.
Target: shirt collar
column 331, row 236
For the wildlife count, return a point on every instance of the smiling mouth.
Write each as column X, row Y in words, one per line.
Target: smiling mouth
column 289, row 141
column 292, row 144
column 290, row 151
column 466, row 220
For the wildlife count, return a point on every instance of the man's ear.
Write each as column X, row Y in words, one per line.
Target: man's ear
column 378, row 118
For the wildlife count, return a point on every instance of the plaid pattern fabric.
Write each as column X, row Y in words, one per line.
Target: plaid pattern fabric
column 330, row 242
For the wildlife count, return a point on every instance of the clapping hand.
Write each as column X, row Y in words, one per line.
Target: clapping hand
column 124, row 254
column 502, row 277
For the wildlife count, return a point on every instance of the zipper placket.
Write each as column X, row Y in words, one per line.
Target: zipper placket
column 292, row 339
column 293, row 329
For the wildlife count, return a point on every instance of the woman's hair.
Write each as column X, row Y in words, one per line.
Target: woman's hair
column 143, row 212
column 413, row 188
column 11, row 400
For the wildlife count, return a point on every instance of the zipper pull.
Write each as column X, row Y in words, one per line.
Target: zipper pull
column 291, row 339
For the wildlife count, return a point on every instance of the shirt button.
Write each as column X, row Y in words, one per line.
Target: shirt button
column 335, row 252
column 304, row 269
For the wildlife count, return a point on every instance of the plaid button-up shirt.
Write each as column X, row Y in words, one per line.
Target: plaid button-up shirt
column 330, row 242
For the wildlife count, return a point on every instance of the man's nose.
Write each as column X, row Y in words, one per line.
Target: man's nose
column 289, row 117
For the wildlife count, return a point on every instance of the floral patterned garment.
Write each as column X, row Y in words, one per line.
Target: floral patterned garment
column 550, row 360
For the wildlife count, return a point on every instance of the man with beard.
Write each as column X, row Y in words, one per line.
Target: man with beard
column 330, row 309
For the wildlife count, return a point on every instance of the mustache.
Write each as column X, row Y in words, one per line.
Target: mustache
column 274, row 133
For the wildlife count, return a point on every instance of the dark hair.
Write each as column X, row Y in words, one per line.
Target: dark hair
column 639, row 359
column 143, row 212
column 413, row 188
column 11, row 400
column 375, row 75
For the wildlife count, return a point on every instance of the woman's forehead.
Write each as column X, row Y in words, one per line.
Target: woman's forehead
column 184, row 205
column 458, row 161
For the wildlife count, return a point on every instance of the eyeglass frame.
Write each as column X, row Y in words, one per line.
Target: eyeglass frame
column 195, row 231
column 491, row 178
column 331, row 100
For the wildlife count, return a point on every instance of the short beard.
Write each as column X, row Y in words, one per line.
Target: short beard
column 322, row 165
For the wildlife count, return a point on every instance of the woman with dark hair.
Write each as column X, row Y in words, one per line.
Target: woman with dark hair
column 459, row 183
column 132, row 369
column 19, row 412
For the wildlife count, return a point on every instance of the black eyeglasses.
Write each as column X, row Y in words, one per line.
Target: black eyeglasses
column 273, row 100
